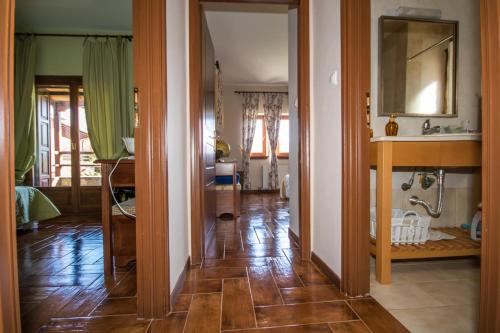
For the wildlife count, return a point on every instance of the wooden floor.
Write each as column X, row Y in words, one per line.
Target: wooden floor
column 251, row 281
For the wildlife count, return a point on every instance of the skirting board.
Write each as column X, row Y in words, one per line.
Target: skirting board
column 260, row 191
column 178, row 285
column 325, row 269
column 293, row 236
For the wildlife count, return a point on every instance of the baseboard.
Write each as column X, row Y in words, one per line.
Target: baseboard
column 293, row 236
column 260, row 191
column 325, row 269
column 178, row 285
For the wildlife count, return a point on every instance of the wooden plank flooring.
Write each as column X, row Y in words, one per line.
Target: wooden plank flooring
column 253, row 281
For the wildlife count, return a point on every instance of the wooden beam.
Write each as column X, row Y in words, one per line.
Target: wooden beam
column 9, row 289
column 150, row 75
column 355, row 41
column 489, row 320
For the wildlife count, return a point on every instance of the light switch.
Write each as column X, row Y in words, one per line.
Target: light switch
column 334, row 81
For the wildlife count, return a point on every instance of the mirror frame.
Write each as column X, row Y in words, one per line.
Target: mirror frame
column 380, row 103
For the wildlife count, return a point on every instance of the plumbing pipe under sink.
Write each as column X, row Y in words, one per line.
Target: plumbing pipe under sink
column 433, row 211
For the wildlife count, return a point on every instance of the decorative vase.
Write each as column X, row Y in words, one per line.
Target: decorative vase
column 391, row 129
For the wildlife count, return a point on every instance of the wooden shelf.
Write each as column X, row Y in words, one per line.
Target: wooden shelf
column 462, row 246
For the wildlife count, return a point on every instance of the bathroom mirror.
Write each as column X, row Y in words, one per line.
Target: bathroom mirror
column 417, row 66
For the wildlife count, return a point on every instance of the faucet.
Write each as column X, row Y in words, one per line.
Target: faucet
column 427, row 129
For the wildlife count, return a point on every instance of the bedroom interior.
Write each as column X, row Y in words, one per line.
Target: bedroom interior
column 251, row 269
column 74, row 103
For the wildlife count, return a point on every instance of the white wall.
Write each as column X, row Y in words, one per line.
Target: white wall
column 177, row 137
column 231, row 132
column 469, row 61
column 326, row 140
column 462, row 189
column 294, row 120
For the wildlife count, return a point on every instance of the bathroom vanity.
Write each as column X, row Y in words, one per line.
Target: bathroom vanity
column 437, row 151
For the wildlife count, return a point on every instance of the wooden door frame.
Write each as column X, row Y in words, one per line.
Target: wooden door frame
column 489, row 320
column 196, row 105
column 151, row 167
column 356, row 20
column 153, row 285
column 10, row 315
column 355, row 50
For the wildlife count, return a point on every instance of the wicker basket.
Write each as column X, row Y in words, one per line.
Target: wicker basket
column 407, row 227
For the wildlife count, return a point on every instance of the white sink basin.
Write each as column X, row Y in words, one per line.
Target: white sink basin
column 432, row 137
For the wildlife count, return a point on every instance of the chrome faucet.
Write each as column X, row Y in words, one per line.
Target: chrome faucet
column 427, row 129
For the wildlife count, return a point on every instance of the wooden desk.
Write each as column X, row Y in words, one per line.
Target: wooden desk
column 384, row 156
column 124, row 176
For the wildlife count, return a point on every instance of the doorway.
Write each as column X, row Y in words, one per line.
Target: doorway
column 199, row 230
column 65, row 170
column 356, row 85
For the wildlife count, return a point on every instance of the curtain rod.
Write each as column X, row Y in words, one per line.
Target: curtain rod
column 129, row 37
column 261, row 92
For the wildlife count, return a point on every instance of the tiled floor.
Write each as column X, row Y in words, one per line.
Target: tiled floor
column 433, row 296
column 251, row 281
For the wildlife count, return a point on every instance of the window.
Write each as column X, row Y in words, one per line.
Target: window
column 260, row 143
column 284, row 138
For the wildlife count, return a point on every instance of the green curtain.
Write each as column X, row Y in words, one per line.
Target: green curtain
column 107, row 84
column 24, row 106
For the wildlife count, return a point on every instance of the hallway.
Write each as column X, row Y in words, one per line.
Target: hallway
column 253, row 278
column 251, row 281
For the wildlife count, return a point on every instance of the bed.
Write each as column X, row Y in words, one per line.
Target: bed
column 33, row 206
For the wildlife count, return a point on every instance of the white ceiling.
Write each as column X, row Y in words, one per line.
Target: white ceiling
column 251, row 45
column 74, row 16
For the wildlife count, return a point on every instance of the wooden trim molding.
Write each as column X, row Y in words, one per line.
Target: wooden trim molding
column 489, row 320
column 196, row 105
column 325, row 269
column 9, row 289
column 150, row 74
column 304, row 130
column 355, row 36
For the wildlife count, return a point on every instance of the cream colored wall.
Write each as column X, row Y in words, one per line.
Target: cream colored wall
column 231, row 132
column 294, row 120
column 326, row 133
column 462, row 192
column 177, row 138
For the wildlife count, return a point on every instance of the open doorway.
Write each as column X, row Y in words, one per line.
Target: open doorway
column 424, row 198
column 73, row 98
column 254, row 109
column 254, row 122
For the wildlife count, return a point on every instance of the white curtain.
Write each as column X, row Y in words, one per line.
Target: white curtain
column 273, row 106
column 250, row 109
